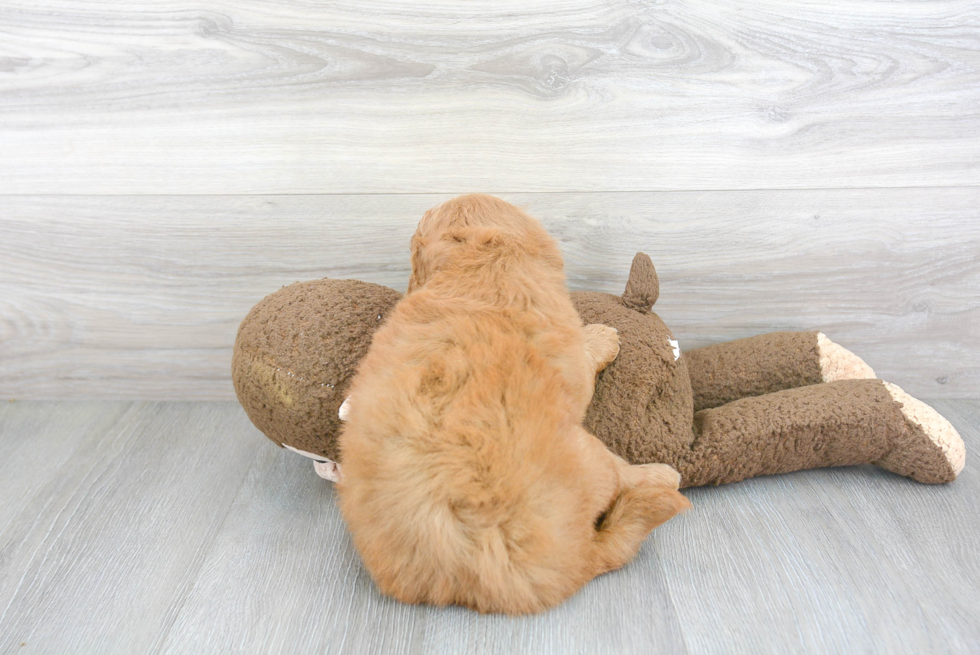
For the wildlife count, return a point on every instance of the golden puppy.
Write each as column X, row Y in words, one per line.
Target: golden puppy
column 467, row 476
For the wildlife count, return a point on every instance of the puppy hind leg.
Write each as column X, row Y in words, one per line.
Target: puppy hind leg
column 648, row 497
column 634, row 513
column 843, row 423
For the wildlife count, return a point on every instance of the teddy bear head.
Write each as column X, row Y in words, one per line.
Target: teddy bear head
column 296, row 353
column 298, row 349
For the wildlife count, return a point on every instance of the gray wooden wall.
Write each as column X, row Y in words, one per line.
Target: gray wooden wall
column 165, row 164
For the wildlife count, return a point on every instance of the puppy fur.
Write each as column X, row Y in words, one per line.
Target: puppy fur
column 467, row 476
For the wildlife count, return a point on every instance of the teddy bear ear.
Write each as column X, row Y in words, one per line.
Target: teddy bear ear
column 643, row 287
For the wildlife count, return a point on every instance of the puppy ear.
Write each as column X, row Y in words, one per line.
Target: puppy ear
column 433, row 252
column 633, row 514
column 420, row 264
column 485, row 237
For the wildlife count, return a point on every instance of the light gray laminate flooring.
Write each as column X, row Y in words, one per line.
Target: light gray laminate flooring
column 176, row 527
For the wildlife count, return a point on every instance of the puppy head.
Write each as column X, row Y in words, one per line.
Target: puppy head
column 474, row 225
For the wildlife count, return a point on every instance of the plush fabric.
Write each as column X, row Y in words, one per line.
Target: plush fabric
column 753, row 367
column 295, row 355
column 717, row 414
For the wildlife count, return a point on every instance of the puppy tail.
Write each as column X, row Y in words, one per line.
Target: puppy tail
column 633, row 514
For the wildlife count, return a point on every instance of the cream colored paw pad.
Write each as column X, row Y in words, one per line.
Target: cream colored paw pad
column 934, row 425
column 839, row 363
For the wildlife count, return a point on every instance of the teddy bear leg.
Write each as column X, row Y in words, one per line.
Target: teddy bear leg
column 839, row 423
column 766, row 363
column 931, row 450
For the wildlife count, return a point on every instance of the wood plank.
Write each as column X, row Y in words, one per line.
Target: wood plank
column 378, row 96
column 177, row 528
column 101, row 558
column 140, row 297
column 289, row 581
column 39, row 444
column 832, row 560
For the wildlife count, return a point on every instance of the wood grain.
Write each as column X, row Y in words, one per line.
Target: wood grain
column 842, row 560
column 105, row 549
column 178, row 528
column 38, row 446
column 140, row 297
column 166, row 164
column 380, row 96
column 293, row 583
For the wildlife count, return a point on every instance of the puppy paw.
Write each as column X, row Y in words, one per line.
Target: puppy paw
column 602, row 344
column 661, row 475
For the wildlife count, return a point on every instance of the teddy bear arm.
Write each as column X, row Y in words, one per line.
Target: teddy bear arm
column 841, row 423
column 766, row 363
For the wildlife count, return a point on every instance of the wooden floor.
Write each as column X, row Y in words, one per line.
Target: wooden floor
column 178, row 528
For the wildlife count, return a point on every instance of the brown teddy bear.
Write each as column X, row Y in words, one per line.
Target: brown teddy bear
column 774, row 403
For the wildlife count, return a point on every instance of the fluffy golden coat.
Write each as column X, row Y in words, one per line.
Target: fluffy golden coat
column 467, row 476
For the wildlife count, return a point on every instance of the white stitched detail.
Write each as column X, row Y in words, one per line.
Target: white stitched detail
column 344, row 410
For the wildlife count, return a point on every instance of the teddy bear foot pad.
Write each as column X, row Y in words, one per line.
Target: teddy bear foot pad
column 932, row 451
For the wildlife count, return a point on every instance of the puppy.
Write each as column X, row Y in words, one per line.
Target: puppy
column 467, row 476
